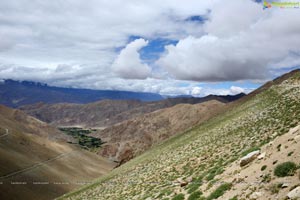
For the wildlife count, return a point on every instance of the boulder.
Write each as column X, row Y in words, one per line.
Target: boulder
column 294, row 194
column 297, row 138
column 181, row 182
column 261, row 156
column 285, row 185
column 189, row 179
column 249, row 158
column 256, row 195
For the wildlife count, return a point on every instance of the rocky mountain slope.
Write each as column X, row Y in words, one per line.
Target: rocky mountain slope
column 132, row 137
column 204, row 163
column 37, row 163
column 107, row 112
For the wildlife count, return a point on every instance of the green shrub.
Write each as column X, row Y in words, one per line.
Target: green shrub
column 266, row 178
column 285, row 169
column 195, row 196
column 219, row 191
column 263, row 167
column 193, row 187
column 274, row 188
column 278, row 147
column 178, row 197
column 234, row 198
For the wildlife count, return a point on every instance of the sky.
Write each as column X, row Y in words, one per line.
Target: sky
column 170, row 47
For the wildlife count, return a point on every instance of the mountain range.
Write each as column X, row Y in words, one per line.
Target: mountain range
column 105, row 113
column 17, row 93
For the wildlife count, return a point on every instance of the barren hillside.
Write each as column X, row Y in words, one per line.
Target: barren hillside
column 107, row 112
column 132, row 137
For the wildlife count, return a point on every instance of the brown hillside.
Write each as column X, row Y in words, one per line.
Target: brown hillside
column 132, row 137
column 107, row 112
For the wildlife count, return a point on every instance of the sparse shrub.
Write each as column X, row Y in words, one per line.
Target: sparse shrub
column 178, row 197
column 195, row 196
column 211, row 183
column 210, row 177
column 263, row 167
column 219, row 191
column 274, row 188
column 278, row 147
column 234, row 198
column 285, row 169
column 213, row 172
column 290, row 153
column 193, row 187
column 266, row 178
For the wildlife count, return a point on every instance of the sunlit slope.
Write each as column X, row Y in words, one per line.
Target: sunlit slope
column 204, row 151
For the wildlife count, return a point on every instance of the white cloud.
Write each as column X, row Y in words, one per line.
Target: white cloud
column 88, row 32
column 236, row 90
column 242, row 42
column 232, row 17
column 196, row 91
column 128, row 64
column 73, row 43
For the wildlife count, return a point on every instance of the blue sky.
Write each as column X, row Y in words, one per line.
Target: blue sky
column 170, row 47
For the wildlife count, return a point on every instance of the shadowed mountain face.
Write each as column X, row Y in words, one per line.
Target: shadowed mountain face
column 37, row 163
column 15, row 94
column 132, row 137
column 107, row 112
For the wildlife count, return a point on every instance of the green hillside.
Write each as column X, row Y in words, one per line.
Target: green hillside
column 203, row 152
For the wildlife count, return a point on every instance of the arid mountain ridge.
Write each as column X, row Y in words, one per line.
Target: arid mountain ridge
column 132, row 137
column 108, row 112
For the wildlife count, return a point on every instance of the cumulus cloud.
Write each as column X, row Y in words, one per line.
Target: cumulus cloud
column 128, row 64
column 79, row 48
column 244, row 46
column 196, row 91
column 88, row 32
column 236, row 90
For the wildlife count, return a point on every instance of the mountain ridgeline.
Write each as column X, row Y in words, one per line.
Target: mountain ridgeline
column 106, row 113
column 16, row 93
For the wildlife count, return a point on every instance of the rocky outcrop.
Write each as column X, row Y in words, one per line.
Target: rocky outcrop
column 294, row 194
column 249, row 158
column 261, row 156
